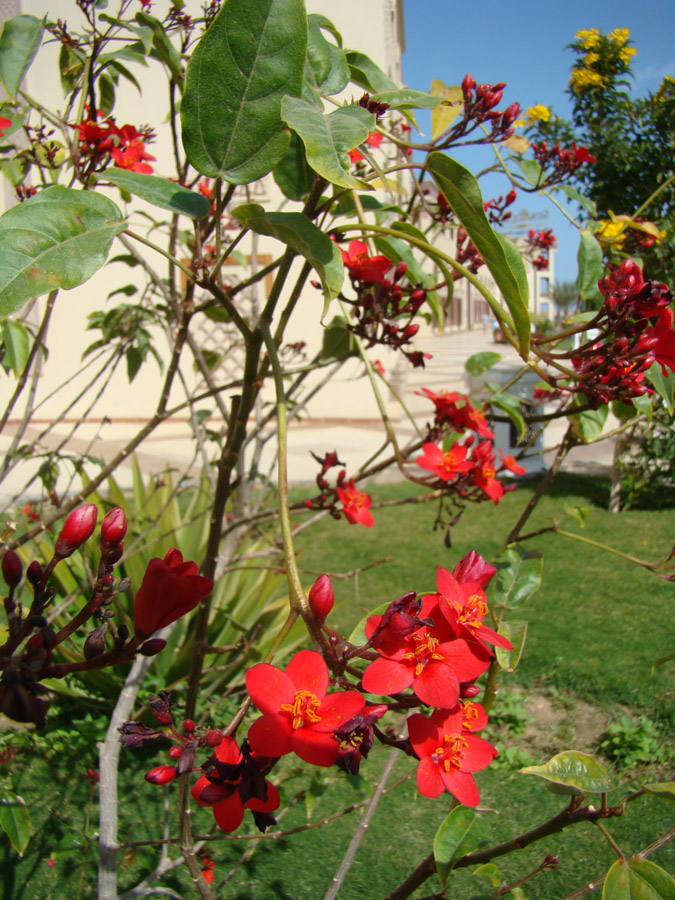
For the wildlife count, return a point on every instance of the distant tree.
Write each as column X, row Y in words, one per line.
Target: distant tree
column 633, row 141
column 564, row 294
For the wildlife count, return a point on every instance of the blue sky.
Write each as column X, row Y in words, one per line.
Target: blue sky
column 522, row 42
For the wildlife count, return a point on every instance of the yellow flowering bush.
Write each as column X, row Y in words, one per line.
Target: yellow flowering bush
column 582, row 79
column 538, row 113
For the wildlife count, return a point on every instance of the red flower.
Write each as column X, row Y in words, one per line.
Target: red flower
column 355, row 504
column 448, row 754
column 509, row 462
column 374, row 139
column 170, row 589
column 446, row 465
column 4, row 123
column 464, row 607
column 473, row 567
column 130, row 156
column 664, row 349
column 430, row 660
column 297, row 715
column 363, row 267
column 582, row 155
column 485, row 472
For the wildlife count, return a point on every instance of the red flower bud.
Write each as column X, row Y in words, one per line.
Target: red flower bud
column 188, row 725
column 400, row 270
column 175, row 752
column 95, row 642
column 113, row 527
column 11, row 568
column 468, row 84
column 161, row 774
column 170, row 589
column 78, row 528
column 321, row 598
column 153, row 646
column 34, row 572
column 214, row 738
column 469, row 690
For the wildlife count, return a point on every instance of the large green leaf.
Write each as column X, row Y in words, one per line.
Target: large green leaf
column 326, row 69
column 338, row 341
column 589, row 261
column 19, row 42
column 588, row 425
column 251, row 56
column 368, row 74
column 15, row 820
column 57, row 239
column 159, row 192
column 519, row 573
column 574, row 772
column 638, row 879
column 293, row 175
column 515, row 632
column 462, row 831
column 329, row 138
column 462, row 192
column 296, row 230
column 162, row 48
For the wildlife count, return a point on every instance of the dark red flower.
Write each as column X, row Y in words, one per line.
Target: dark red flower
column 364, row 267
column 170, row 589
column 298, row 716
column 448, row 754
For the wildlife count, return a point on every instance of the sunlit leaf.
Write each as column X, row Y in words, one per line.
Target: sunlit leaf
column 665, row 789
column 515, row 632
column 589, row 261
column 462, row 831
column 511, row 405
column 444, row 115
column 588, row 424
column 637, row 879
column 519, row 574
column 578, row 773
column 326, row 67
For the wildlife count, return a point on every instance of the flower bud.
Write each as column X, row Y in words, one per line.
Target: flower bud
column 188, row 725
column 176, row 751
column 400, row 270
column 95, row 642
column 11, row 568
column 153, row 646
column 468, row 85
column 48, row 636
column 115, row 554
column 214, row 738
column 34, row 572
column 321, row 598
column 78, row 528
column 469, row 690
column 510, row 115
column 161, row 775
column 113, row 527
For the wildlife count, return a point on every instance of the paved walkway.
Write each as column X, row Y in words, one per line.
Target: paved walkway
column 355, row 440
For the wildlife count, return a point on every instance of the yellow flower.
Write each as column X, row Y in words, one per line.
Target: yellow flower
column 611, row 233
column 666, row 87
column 619, row 35
column 582, row 79
column 591, row 58
column 625, row 54
column 589, row 38
column 538, row 113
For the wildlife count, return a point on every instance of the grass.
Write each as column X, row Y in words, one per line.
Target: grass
column 596, row 626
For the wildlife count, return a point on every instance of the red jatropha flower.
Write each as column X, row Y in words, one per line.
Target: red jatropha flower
column 664, row 349
column 374, row 139
column 582, row 155
column 4, row 123
column 463, row 605
column 509, row 462
column 298, row 716
column 363, row 267
column 355, row 504
column 170, row 589
column 473, row 568
column 485, row 472
column 430, row 660
column 130, row 156
column 448, row 754
column 446, row 465
column 233, row 784
column 77, row 529
column 356, row 738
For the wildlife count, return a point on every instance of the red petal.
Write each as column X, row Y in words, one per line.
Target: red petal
column 423, row 735
column 437, row 686
column 337, row 709
column 467, row 660
column 308, row 672
column 485, row 633
column 229, row 813
column 479, row 753
column 448, row 586
column 429, row 782
column 461, row 785
column 386, row 676
column 266, row 806
column 269, row 687
column 314, row 747
column 227, row 751
column 270, row 735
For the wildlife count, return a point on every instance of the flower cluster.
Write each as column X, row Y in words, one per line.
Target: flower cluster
column 559, row 163
column 466, row 251
column 601, row 58
column 539, row 244
column 103, row 142
column 497, row 209
column 384, row 309
column 470, row 471
column 354, row 504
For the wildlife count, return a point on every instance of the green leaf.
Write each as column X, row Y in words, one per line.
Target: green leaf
column 516, row 633
column 663, row 385
column 15, row 820
column 589, row 261
column 159, row 191
column 491, row 871
column 462, row 831
column 665, row 789
column 367, row 74
column 530, row 169
column 162, row 48
column 443, row 116
column 252, row 55
column 58, row 238
column 106, row 94
column 638, row 879
column 588, row 424
column 337, row 340
column 577, row 773
column 511, row 405
column 519, row 574
column 15, row 339
column 329, row 138
column 661, row 661
column 462, row 192
column 481, row 362
column 585, row 202
column 292, row 174
column 296, row 230
column 19, row 43
column 326, row 68
column 407, row 98
column 578, row 513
